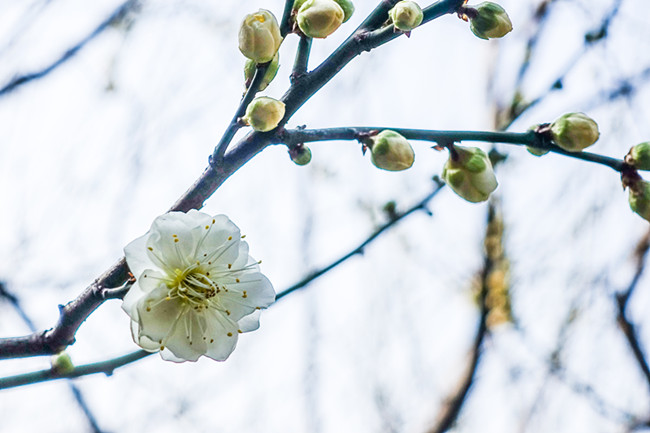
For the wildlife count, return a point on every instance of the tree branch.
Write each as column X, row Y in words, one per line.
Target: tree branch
column 106, row 367
column 117, row 14
column 421, row 205
column 530, row 138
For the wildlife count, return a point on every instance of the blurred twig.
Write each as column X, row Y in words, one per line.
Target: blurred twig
column 420, row 206
column 625, row 323
column 116, row 15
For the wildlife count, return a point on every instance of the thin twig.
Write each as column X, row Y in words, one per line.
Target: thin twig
column 106, row 367
column 421, row 205
column 530, row 138
column 301, row 62
column 116, row 15
column 625, row 323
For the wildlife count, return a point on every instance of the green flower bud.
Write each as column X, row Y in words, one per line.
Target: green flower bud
column 537, row 151
column 271, row 71
column 640, row 198
column 319, row 18
column 264, row 113
column 259, row 36
column 346, row 5
column 639, row 156
column 390, row 151
column 301, row 155
column 574, row 132
column 62, row 363
column 406, row 15
column 490, row 21
column 469, row 173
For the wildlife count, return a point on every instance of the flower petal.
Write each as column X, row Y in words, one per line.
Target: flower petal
column 252, row 291
column 186, row 341
column 221, row 335
column 251, row 322
column 137, row 257
column 158, row 315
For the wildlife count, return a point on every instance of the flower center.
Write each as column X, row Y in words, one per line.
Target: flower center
column 194, row 286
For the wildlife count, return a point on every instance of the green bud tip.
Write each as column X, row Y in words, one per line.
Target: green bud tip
column 301, row 154
column 469, row 173
column 639, row 198
column 264, row 113
column 406, row 15
column 319, row 18
column 574, row 132
column 259, row 36
column 346, row 5
column 489, row 20
column 271, row 71
column 639, row 156
column 391, row 151
column 62, row 363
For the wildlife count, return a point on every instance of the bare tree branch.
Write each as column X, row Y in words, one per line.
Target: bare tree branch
column 116, row 15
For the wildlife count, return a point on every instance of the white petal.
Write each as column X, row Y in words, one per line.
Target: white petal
column 158, row 316
column 170, row 243
column 186, row 342
column 137, row 257
column 221, row 335
column 250, row 322
column 141, row 340
column 259, row 294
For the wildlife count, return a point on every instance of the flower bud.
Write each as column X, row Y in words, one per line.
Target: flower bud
column 391, row 151
column 639, row 156
column 259, row 36
column 319, row 18
column 271, row 71
column 469, row 172
column 62, row 363
column 301, row 155
column 348, row 8
column 490, row 21
column 574, row 131
column 640, row 198
column 537, row 151
column 406, row 15
column 264, row 113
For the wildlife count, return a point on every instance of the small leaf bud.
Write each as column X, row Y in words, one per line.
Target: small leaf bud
column 406, row 15
column 301, row 154
column 62, row 363
column 259, row 36
column 639, row 198
column 574, row 132
column 319, row 18
column 639, row 156
column 537, row 151
column 391, row 151
column 348, row 8
column 271, row 71
column 264, row 113
column 490, row 21
column 469, row 172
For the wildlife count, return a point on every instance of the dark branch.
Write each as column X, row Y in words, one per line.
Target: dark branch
column 117, row 15
column 421, row 205
column 106, row 367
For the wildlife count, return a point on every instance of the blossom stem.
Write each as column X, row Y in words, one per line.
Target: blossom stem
column 421, row 205
column 444, row 138
column 107, row 367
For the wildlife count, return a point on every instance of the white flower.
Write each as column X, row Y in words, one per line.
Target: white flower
column 196, row 287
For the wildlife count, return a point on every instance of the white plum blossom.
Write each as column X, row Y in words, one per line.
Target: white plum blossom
column 196, row 287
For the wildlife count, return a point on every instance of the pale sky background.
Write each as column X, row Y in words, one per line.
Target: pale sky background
column 93, row 152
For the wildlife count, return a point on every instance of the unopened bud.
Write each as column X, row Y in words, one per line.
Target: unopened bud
column 391, row 151
column 271, row 71
column 406, row 15
column 640, row 198
column 639, row 156
column 537, row 151
column 489, row 21
column 259, row 36
column 469, row 172
column 319, row 18
column 301, row 155
column 264, row 113
column 574, row 132
column 62, row 363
